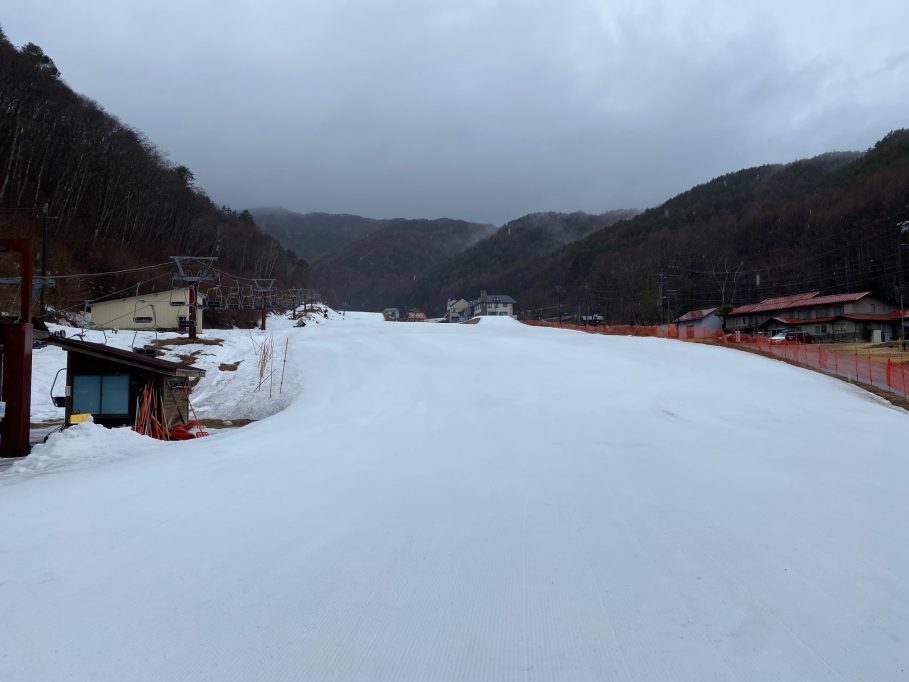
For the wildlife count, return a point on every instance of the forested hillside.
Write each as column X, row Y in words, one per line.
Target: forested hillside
column 313, row 235
column 378, row 269
column 115, row 199
column 828, row 223
column 490, row 263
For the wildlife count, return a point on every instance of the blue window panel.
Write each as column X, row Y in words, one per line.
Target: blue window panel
column 86, row 394
column 115, row 394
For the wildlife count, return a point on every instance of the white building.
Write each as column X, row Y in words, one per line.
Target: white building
column 692, row 324
column 457, row 310
column 497, row 304
column 159, row 310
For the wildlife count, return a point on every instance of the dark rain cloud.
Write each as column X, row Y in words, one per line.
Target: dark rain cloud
column 479, row 109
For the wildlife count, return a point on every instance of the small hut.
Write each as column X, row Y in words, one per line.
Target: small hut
column 122, row 388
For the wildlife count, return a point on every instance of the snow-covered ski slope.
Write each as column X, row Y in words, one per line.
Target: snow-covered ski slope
column 478, row 502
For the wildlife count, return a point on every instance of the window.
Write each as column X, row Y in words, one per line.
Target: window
column 143, row 319
column 870, row 307
column 101, row 394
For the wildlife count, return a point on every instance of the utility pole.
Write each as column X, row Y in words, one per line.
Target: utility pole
column 44, row 258
column 903, row 229
column 559, row 291
column 660, row 300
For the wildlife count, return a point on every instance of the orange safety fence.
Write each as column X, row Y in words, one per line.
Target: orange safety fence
column 886, row 375
column 663, row 331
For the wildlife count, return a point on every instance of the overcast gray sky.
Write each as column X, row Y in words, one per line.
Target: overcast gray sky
column 479, row 109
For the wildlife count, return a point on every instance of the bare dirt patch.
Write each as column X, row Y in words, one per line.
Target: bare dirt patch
column 880, row 352
column 189, row 358
column 225, row 423
column 186, row 341
column 229, row 366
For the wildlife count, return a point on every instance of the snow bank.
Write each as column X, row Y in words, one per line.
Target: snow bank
column 81, row 446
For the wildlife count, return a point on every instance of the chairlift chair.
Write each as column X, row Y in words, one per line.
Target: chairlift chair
column 178, row 300
column 233, row 298
column 247, row 298
column 57, row 400
column 214, row 298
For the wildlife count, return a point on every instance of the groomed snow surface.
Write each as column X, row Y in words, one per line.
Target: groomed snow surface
column 475, row 502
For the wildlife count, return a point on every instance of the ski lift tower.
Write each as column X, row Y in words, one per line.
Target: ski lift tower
column 263, row 287
column 191, row 270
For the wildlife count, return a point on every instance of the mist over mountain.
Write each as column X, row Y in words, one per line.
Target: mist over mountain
column 491, row 263
column 376, row 263
column 377, row 270
column 312, row 235
column 368, row 263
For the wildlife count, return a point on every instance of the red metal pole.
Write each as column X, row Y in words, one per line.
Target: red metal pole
column 17, row 361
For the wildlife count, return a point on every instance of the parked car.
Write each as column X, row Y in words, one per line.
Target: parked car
column 792, row 337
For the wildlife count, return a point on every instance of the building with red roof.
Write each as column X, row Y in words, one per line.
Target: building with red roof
column 854, row 316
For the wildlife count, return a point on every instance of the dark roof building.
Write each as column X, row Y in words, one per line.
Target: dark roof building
column 121, row 388
column 492, row 304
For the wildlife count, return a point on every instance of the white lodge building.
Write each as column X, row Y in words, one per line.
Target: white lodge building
column 158, row 310
column 492, row 305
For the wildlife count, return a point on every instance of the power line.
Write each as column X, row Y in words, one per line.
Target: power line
column 112, row 272
column 100, row 298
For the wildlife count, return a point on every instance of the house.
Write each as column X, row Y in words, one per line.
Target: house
column 852, row 316
column 416, row 316
column 457, row 310
column 487, row 304
column 694, row 323
column 158, row 310
column 110, row 384
column 391, row 314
